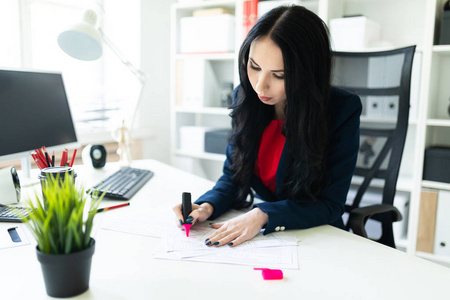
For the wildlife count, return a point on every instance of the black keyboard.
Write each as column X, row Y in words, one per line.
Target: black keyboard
column 123, row 184
column 13, row 213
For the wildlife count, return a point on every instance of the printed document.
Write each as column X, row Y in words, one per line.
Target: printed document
column 275, row 250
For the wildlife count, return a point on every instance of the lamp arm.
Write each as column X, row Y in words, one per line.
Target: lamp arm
column 140, row 75
column 136, row 72
column 136, row 106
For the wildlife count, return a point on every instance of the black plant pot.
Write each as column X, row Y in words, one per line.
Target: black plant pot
column 66, row 275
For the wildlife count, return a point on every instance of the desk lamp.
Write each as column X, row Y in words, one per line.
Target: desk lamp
column 83, row 41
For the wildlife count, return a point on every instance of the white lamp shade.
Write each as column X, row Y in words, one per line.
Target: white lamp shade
column 83, row 41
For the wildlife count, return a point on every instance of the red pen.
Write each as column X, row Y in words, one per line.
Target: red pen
column 64, row 158
column 38, row 161
column 113, row 207
column 73, row 158
column 41, row 156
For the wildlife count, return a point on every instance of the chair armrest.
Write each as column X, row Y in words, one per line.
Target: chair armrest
column 359, row 216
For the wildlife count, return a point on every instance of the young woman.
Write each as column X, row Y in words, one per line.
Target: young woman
column 294, row 140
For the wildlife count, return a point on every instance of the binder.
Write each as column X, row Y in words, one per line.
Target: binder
column 250, row 15
column 427, row 221
column 199, row 84
column 442, row 235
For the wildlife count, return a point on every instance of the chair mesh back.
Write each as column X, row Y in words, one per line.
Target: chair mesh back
column 382, row 80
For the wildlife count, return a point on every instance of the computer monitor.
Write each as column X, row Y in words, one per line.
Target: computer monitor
column 34, row 112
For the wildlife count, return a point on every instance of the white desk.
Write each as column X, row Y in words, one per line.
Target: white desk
column 333, row 264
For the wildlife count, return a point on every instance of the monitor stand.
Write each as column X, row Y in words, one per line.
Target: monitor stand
column 25, row 174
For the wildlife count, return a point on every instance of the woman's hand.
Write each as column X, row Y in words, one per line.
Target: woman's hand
column 238, row 230
column 199, row 213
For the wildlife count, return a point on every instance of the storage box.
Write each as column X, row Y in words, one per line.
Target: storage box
column 192, row 138
column 382, row 107
column 199, row 86
column 353, row 33
column 442, row 233
column 444, row 37
column 207, row 34
column 216, row 141
column 374, row 108
column 437, row 164
column 266, row 6
column 390, row 107
column 374, row 196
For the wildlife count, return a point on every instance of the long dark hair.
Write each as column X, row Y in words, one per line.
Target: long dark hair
column 304, row 42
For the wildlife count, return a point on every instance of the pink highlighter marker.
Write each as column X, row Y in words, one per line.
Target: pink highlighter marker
column 186, row 209
column 271, row 274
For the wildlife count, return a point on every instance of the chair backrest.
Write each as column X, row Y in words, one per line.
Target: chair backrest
column 382, row 80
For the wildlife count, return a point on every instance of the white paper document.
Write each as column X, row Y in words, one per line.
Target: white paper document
column 141, row 222
column 270, row 251
column 275, row 250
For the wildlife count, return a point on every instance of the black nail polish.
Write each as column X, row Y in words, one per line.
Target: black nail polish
column 215, row 243
column 189, row 219
column 208, row 243
column 181, row 223
column 206, row 240
column 230, row 244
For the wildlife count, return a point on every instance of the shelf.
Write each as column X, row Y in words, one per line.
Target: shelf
column 404, row 184
column 206, row 56
column 365, row 119
column 442, row 50
column 384, row 48
column 205, row 4
column 376, row 120
column 202, row 155
column 401, row 243
column 105, row 135
column 438, row 122
column 435, row 185
column 435, row 258
column 204, row 110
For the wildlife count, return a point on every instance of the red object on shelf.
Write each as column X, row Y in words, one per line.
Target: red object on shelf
column 250, row 15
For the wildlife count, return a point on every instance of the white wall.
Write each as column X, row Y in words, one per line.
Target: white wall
column 154, row 111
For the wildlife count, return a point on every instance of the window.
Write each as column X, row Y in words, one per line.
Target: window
column 9, row 34
column 100, row 92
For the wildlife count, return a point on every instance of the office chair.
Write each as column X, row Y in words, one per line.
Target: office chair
column 382, row 80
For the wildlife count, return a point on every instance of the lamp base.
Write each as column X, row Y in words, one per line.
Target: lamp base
column 122, row 136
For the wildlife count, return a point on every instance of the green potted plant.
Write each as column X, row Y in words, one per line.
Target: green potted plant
column 62, row 227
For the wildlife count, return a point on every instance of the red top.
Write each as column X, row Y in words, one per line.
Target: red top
column 270, row 149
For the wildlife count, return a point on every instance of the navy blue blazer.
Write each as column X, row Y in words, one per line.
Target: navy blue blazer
column 328, row 209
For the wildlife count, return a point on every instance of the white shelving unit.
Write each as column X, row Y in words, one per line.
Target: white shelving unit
column 224, row 67
column 403, row 23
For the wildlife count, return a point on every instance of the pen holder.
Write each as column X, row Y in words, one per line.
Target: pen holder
column 58, row 173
